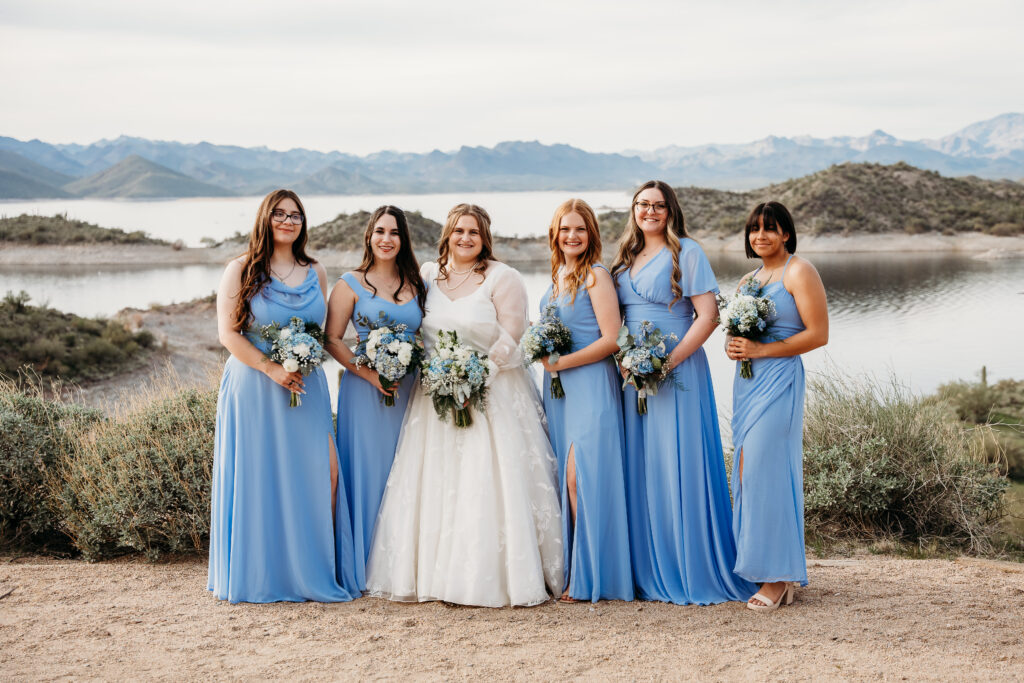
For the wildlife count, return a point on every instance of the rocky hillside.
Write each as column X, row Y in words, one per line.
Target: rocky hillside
column 851, row 199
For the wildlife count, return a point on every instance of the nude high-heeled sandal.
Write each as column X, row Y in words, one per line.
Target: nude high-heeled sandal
column 768, row 606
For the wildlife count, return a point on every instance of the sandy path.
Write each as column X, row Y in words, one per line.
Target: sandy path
column 863, row 618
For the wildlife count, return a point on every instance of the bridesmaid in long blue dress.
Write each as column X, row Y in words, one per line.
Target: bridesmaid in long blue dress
column 676, row 491
column 388, row 280
column 768, row 412
column 585, row 426
column 279, row 527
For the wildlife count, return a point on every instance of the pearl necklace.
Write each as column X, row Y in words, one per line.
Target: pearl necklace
column 447, row 280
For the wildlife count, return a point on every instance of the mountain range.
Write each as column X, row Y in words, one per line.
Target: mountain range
column 133, row 167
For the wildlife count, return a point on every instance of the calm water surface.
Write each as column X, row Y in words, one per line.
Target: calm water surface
column 190, row 220
column 927, row 318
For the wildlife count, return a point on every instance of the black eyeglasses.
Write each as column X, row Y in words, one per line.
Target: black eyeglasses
column 281, row 216
column 656, row 207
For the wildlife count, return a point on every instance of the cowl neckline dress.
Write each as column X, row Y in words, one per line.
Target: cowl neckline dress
column 273, row 534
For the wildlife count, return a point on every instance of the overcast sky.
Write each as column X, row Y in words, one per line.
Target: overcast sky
column 416, row 75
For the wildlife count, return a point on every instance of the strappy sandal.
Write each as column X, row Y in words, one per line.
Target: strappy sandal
column 768, row 606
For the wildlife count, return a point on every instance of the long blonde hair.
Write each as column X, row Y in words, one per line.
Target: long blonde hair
column 581, row 271
column 483, row 220
column 632, row 240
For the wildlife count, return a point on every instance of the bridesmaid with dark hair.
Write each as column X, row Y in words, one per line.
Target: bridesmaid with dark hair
column 768, row 411
column 585, row 426
column 676, row 487
column 387, row 281
column 279, row 527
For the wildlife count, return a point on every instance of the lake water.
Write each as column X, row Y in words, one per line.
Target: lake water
column 927, row 318
column 190, row 220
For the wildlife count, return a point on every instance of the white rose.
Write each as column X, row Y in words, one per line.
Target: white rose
column 291, row 365
column 444, row 353
column 301, row 350
column 627, row 362
column 383, row 330
column 394, row 346
column 285, row 333
column 371, row 353
column 405, row 355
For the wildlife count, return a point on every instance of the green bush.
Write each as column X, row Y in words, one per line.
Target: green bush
column 999, row 405
column 882, row 462
column 141, row 482
column 34, row 433
column 64, row 345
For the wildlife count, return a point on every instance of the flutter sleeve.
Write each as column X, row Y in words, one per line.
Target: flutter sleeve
column 511, row 305
column 697, row 276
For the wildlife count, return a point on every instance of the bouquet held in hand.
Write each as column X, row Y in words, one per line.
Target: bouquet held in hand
column 456, row 377
column 298, row 346
column 390, row 349
column 644, row 360
column 747, row 314
column 547, row 337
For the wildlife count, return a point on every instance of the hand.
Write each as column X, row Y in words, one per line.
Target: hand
column 374, row 379
column 292, row 381
column 743, row 349
column 550, row 367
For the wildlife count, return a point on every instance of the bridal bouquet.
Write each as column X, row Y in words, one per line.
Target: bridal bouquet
column 390, row 349
column 547, row 337
column 456, row 376
column 643, row 359
column 747, row 314
column 298, row 346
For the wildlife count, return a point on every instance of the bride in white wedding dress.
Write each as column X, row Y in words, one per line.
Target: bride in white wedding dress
column 471, row 516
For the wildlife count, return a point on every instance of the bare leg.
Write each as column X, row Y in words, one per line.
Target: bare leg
column 570, row 484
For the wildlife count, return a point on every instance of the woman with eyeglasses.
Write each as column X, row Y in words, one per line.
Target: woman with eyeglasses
column 676, row 491
column 768, row 411
column 387, row 283
column 279, row 527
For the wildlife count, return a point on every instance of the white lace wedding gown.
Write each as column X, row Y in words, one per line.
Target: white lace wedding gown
column 472, row 516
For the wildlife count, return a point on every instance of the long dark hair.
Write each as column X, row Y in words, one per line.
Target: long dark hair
column 632, row 240
column 256, row 260
column 408, row 267
column 775, row 217
column 483, row 221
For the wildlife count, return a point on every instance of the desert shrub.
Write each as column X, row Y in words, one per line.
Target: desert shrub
column 34, row 433
column 64, row 345
column 999, row 405
column 880, row 461
column 140, row 482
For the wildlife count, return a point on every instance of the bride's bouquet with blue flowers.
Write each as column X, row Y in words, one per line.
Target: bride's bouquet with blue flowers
column 747, row 314
column 642, row 359
column 298, row 346
column 390, row 349
column 456, row 377
column 547, row 337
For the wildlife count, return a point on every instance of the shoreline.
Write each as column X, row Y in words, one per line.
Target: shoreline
column 515, row 251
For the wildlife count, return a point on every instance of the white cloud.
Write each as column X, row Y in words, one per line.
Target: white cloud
column 413, row 76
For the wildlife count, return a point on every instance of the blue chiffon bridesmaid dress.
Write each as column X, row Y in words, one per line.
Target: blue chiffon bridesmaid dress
column 589, row 420
column 680, row 519
column 767, row 428
column 367, row 429
column 273, row 535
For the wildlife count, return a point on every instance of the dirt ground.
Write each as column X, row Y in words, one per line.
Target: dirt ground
column 867, row 617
